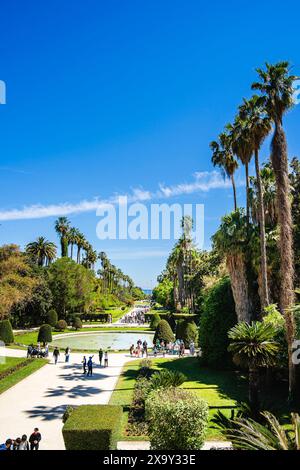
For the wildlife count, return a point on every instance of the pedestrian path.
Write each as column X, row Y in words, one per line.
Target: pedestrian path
column 40, row 399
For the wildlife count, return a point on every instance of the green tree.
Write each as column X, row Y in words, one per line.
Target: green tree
column 155, row 319
column 6, row 332
column 163, row 332
column 45, row 334
column 52, row 317
column 253, row 345
column 41, row 251
column 276, row 87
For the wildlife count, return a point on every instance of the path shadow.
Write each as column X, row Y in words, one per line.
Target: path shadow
column 47, row 413
column 77, row 391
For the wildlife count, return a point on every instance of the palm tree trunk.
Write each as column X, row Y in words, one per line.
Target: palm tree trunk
column 254, row 389
column 247, row 193
column 287, row 296
column 262, row 232
column 78, row 254
column 234, row 191
column 236, row 266
column 71, row 250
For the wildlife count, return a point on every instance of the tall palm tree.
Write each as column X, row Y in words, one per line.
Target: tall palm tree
column 41, row 251
column 276, row 87
column 80, row 242
column 241, row 146
column 253, row 345
column 258, row 127
column 62, row 226
column 223, row 158
column 72, row 239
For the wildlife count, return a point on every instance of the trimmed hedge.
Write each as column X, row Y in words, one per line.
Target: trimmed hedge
column 93, row 427
column 45, row 334
column 77, row 323
column 52, row 317
column 163, row 332
column 154, row 321
column 6, row 332
column 187, row 331
column 61, row 325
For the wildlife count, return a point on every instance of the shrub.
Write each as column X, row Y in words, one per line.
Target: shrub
column 77, row 323
column 93, row 427
column 167, row 378
column 177, row 419
column 189, row 333
column 155, row 319
column 6, row 332
column 51, row 317
column 45, row 334
column 67, row 413
column 163, row 332
column 61, row 325
column 218, row 316
column 145, row 368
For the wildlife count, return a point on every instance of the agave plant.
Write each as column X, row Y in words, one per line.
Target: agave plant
column 248, row 434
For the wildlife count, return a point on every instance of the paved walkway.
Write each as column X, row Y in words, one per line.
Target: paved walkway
column 40, row 399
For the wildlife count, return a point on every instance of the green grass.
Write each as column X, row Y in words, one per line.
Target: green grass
column 20, row 374
column 220, row 389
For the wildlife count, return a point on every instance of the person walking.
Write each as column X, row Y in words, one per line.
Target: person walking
column 145, row 348
column 24, row 444
column 84, row 363
column 67, row 354
column 35, row 439
column 56, row 354
column 100, row 356
column 90, row 366
column 106, row 359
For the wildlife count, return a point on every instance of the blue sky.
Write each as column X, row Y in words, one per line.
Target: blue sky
column 107, row 98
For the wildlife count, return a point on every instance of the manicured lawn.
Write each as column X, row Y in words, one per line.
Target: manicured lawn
column 220, row 389
column 29, row 366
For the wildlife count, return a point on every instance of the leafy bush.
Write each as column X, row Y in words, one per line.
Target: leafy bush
column 93, row 427
column 77, row 323
column 145, row 368
column 187, row 331
column 6, row 332
column 218, row 316
column 177, row 419
column 45, row 334
column 155, row 319
column 163, row 332
column 167, row 378
column 51, row 317
column 61, row 325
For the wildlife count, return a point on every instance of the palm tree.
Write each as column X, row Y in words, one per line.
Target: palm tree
column 258, row 126
column 247, row 434
column 72, row 239
column 80, row 242
column 41, row 251
column 253, row 345
column 241, row 146
column 62, row 226
column 224, row 159
column 276, row 87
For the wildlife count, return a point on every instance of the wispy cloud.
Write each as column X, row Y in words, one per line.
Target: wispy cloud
column 203, row 182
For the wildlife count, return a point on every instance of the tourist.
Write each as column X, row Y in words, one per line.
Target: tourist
column 67, row 354
column 16, row 443
column 24, row 444
column 131, row 350
column 106, row 359
column 29, row 350
column 145, row 348
column 84, row 363
column 7, row 445
column 100, row 356
column 90, row 366
column 46, row 350
column 56, row 354
column 35, row 439
column 192, row 348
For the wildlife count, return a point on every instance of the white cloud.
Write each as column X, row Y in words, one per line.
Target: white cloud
column 203, row 181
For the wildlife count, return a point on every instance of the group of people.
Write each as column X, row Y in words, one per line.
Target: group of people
column 88, row 364
column 22, row 443
column 174, row 348
column 37, row 351
column 56, row 354
column 140, row 350
column 136, row 316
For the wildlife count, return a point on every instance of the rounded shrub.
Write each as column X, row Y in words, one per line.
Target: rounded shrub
column 177, row 419
column 163, row 332
column 77, row 323
column 6, row 332
column 155, row 319
column 51, row 317
column 61, row 325
column 45, row 334
column 189, row 333
column 218, row 316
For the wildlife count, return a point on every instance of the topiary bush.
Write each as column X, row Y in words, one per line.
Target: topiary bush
column 45, row 334
column 77, row 323
column 189, row 333
column 51, row 317
column 93, row 427
column 6, row 332
column 155, row 319
column 177, row 419
column 61, row 325
column 218, row 316
column 163, row 332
